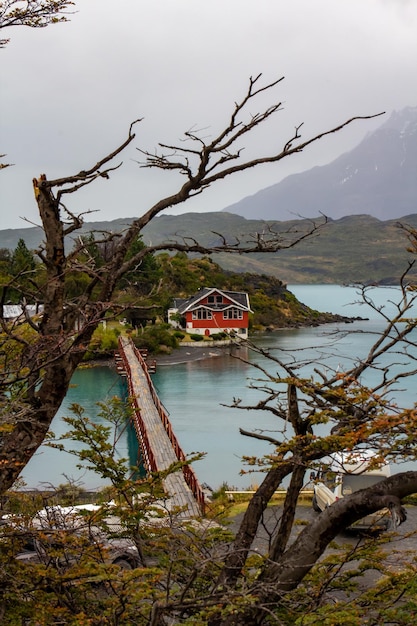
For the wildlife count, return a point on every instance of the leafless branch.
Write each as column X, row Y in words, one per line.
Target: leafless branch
column 209, row 166
column 260, row 436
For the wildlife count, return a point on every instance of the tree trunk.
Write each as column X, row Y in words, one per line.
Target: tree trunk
column 287, row 520
column 286, row 574
column 249, row 526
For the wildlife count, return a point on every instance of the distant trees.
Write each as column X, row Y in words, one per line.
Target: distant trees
column 18, row 274
column 22, row 259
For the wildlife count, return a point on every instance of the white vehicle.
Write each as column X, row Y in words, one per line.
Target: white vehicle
column 346, row 474
column 45, row 531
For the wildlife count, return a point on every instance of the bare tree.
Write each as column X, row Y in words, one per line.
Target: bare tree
column 39, row 365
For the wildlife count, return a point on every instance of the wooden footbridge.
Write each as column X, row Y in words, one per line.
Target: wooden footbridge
column 157, row 441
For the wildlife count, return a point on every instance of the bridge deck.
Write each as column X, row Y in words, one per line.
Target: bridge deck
column 163, row 453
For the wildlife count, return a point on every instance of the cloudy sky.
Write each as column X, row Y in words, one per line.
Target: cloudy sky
column 70, row 91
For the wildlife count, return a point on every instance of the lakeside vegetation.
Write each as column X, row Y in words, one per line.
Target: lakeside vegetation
column 142, row 309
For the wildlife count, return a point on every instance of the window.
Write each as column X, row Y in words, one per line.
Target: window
column 215, row 299
column 202, row 314
column 232, row 314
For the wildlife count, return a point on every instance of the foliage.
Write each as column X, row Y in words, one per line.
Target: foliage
column 219, row 336
column 156, row 338
column 19, row 271
column 22, row 259
column 390, row 598
column 143, row 279
column 32, row 13
column 103, row 343
column 184, row 276
column 74, row 578
column 177, row 577
column 196, row 337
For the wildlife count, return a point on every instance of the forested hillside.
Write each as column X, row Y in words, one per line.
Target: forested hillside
column 272, row 304
column 353, row 249
column 146, row 292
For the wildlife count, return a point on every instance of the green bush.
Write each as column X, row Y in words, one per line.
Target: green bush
column 219, row 336
column 154, row 337
column 195, row 337
column 103, row 343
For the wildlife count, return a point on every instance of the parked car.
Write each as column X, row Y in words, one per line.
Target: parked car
column 344, row 475
column 59, row 533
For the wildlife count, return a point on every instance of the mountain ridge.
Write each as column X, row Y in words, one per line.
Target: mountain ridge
column 351, row 249
column 377, row 177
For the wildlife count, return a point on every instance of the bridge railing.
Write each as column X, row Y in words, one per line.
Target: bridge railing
column 189, row 474
column 140, row 428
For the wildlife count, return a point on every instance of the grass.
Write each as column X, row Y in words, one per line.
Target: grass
column 241, row 501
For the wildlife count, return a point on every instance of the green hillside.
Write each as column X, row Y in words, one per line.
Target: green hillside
column 272, row 304
column 353, row 249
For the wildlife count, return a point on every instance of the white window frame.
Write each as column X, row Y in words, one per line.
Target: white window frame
column 202, row 314
column 233, row 314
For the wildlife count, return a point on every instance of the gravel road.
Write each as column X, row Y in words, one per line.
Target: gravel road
column 401, row 549
column 405, row 540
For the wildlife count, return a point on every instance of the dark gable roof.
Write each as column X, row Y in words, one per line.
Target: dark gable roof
column 237, row 298
column 178, row 303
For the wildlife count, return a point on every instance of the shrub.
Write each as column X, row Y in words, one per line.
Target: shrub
column 153, row 337
column 195, row 337
column 103, row 343
column 220, row 336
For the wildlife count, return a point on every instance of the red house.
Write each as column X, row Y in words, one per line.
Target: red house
column 213, row 311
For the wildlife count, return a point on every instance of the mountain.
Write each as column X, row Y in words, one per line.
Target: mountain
column 353, row 249
column 377, row 178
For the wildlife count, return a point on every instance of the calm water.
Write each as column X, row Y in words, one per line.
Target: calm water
column 54, row 467
column 195, row 394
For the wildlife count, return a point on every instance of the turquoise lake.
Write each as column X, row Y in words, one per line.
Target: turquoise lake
column 195, row 393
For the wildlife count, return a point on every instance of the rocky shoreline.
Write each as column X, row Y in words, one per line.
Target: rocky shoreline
column 320, row 320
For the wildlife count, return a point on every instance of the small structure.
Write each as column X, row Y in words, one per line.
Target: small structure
column 212, row 311
column 14, row 312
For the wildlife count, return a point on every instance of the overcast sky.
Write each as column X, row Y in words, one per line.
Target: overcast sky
column 70, row 91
